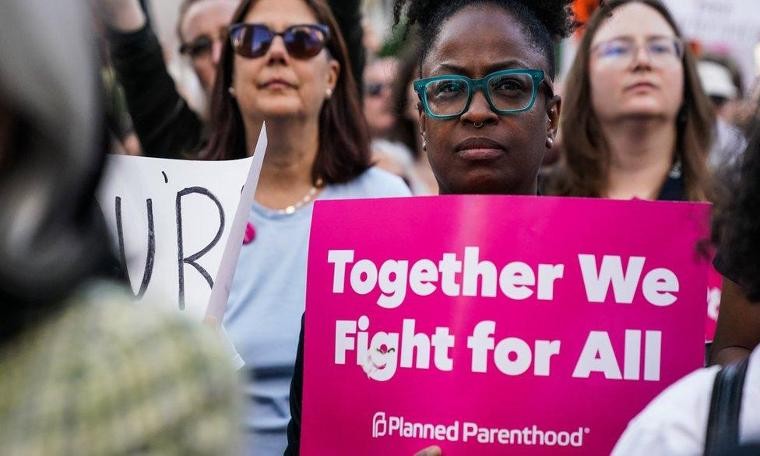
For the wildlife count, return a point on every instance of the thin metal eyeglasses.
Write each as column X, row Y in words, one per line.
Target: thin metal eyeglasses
column 661, row 50
column 507, row 91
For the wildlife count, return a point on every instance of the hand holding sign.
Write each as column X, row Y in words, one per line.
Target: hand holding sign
column 430, row 451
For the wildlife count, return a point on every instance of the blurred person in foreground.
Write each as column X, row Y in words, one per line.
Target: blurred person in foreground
column 82, row 370
column 636, row 122
column 164, row 122
column 676, row 422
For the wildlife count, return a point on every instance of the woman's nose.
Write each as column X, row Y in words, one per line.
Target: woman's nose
column 479, row 111
column 641, row 57
column 277, row 50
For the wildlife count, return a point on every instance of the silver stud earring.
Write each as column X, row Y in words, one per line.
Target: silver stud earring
column 231, row 91
column 549, row 143
column 328, row 93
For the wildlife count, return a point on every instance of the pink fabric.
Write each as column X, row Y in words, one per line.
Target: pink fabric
column 250, row 234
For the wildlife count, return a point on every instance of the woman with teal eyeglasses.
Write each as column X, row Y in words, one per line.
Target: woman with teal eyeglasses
column 488, row 111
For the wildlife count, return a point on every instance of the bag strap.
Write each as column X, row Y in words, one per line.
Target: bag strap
column 725, row 408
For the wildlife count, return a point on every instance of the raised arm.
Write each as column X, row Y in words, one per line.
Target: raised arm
column 163, row 121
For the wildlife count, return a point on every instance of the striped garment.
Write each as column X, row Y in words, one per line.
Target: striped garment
column 106, row 377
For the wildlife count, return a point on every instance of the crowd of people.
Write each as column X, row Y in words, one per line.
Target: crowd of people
column 449, row 111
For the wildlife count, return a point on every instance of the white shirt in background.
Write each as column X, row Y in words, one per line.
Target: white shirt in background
column 675, row 422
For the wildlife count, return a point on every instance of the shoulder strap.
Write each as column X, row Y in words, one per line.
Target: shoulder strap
column 725, row 408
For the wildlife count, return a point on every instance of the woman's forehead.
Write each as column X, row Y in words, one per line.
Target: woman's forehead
column 631, row 21
column 481, row 39
column 278, row 14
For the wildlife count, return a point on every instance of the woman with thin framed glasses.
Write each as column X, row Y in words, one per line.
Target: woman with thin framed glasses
column 285, row 63
column 636, row 122
column 488, row 111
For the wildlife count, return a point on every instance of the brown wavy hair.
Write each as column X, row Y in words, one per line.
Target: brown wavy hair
column 585, row 158
column 343, row 151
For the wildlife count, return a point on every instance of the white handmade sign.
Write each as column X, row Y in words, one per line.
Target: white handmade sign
column 178, row 225
column 724, row 26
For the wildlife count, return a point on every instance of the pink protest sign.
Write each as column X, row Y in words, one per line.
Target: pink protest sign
column 492, row 325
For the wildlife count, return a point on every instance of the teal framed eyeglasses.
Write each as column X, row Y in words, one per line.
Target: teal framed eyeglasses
column 507, row 91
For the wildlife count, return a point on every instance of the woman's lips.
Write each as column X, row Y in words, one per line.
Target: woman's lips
column 276, row 84
column 481, row 154
column 641, row 86
column 477, row 149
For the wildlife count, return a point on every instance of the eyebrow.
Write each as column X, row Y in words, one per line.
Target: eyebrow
column 457, row 69
column 633, row 38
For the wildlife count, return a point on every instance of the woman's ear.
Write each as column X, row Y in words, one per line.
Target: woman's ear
column 423, row 127
column 553, row 110
column 332, row 75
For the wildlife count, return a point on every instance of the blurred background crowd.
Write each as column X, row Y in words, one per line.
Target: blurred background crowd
column 723, row 34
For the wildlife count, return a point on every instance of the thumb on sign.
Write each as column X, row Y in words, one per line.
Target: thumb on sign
column 430, row 451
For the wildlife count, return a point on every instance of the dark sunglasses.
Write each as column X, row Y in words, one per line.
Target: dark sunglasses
column 301, row 41
column 202, row 45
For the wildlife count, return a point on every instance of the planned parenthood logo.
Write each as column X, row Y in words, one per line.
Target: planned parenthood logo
column 384, row 425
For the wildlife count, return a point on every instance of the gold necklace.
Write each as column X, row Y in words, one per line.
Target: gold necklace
column 303, row 201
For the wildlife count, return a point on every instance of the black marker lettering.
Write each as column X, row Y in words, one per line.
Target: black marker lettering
column 192, row 259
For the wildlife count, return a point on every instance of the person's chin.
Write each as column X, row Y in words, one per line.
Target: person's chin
column 646, row 106
column 486, row 181
column 280, row 111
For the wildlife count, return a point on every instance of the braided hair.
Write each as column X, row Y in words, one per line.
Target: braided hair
column 545, row 21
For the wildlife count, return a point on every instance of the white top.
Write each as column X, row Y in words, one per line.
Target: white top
column 267, row 299
column 675, row 422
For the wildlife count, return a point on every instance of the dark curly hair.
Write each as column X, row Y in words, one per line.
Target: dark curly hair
column 545, row 21
column 740, row 242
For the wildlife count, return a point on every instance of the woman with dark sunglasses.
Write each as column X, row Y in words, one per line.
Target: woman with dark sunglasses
column 285, row 63
column 487, row 109
column 163, row 120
